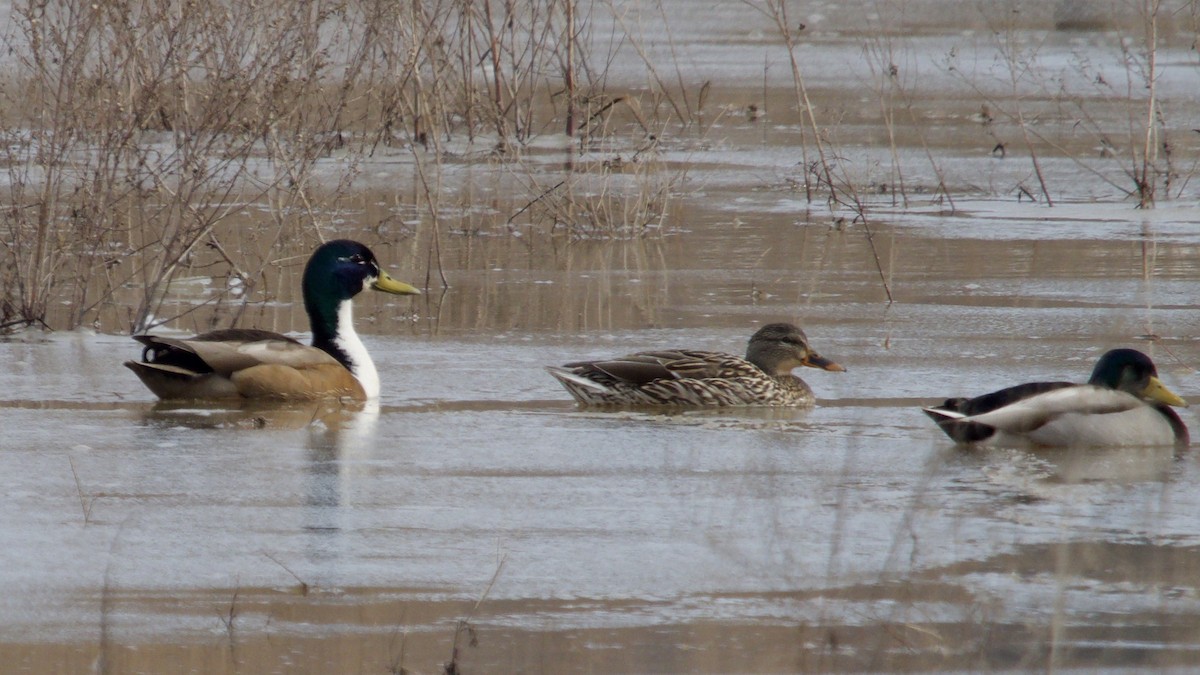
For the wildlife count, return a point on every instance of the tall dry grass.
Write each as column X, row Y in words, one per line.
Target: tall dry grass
column 1087, row 97
column 136, row 132
column 137, row 135
column 135, row 129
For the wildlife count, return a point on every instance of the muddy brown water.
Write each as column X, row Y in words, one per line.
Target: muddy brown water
column 852, row 536
column 474, row 513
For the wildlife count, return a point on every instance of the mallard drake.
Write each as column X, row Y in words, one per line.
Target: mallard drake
column 686, row 377
column 1123, row 404
column 250, row 363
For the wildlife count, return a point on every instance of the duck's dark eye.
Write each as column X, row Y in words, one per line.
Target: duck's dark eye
column 357, row 259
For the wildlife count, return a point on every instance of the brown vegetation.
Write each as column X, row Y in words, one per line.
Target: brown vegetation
column 135, row 131
column 144, row 142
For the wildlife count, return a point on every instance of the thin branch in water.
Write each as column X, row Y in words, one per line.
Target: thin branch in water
column 464, row 624
column 535, row 200
column 229, row 618
column 874, row 253
column 304, row 587
column 84, row 504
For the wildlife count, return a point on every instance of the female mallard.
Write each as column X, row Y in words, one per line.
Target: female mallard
column 1124, row 403
column 687, row 377
column 249, row 363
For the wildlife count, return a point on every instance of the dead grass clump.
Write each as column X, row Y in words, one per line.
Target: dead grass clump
column 604, row 198
column 134, row 131
column 143, row 126
column 1112, row 122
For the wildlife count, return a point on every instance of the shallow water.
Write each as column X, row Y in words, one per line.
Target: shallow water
column 849, row 536
column 139, row 536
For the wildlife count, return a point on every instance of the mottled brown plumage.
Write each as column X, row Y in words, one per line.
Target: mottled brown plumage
column 693, row 378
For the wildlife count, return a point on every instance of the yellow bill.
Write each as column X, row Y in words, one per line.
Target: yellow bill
column 387, row 284
column 1157, row 391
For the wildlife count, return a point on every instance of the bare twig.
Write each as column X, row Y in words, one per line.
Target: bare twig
column 304, row 587
column 229, row 617
column 84, row 504
column 1145, row 176
column 464, row 624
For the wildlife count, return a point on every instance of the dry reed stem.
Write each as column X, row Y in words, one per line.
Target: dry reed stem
column 451, row 667
column 1145, row 181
